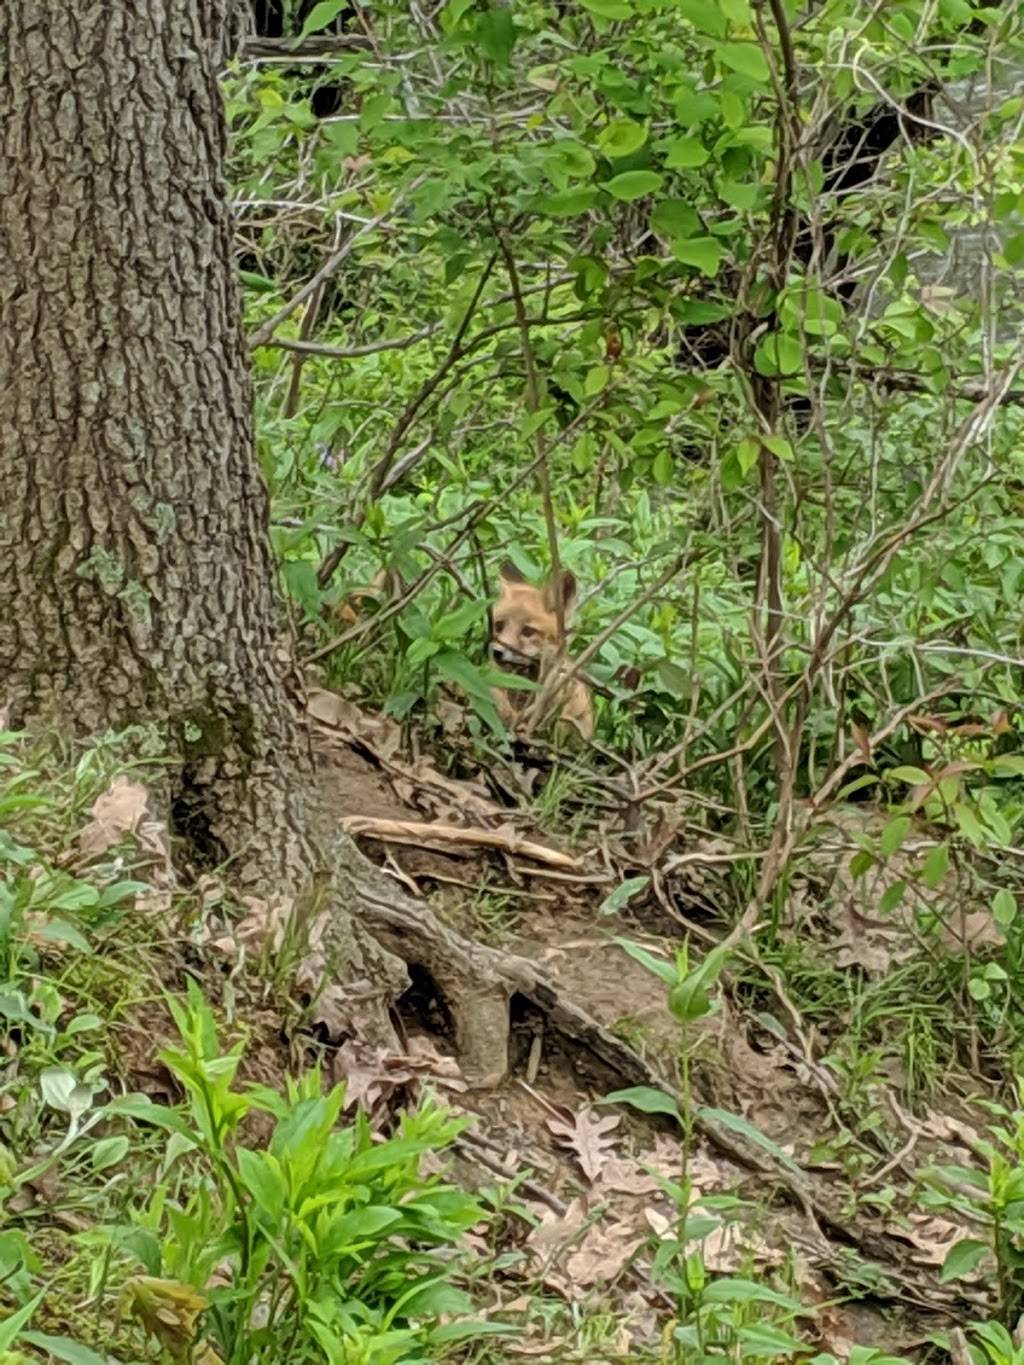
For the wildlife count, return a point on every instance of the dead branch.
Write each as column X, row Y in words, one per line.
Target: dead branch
column 423, row 833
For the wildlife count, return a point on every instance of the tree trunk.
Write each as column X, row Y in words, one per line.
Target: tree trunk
column 136, row 582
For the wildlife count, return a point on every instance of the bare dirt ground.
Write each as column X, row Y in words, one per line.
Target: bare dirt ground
column 832, row 1205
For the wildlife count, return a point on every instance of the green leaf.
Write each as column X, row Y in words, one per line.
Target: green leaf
column 736, row 1124
column 673, row 678
column 108, row 1152
column 567, row 204
column 632, row 185
column 778, row 354
column 145, row 1111
column 420, row 651
column 893, row 835
column 469, row 1328
column 764, row 1340
column 622, row 895
column 703, row 252
column 746, row 58
column 685, row 153
column 496, row 34
column 891, row 897
column 962, row 1258
column 664, row 971
column 915, row 777
column 63, row 1348
column 1007, row 765
column 736, row 1290
column 738, row 195
column 779, row 446
column 320, row 16
column 1004, row 907
column 662, row 468
column 936, row 865
column 1013, row 249
column 675, row 218
column 703, row 16
column 258, row 282
column 647, row 1099
column 622, row 137
column 14, row 1322
column 609, row 9
column 596, row 380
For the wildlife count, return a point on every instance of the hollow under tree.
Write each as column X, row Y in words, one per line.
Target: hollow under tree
column 136, row 581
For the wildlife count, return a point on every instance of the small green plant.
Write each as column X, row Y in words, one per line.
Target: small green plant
column 992, row 1199
column 729, row 1314
column 325, row 1244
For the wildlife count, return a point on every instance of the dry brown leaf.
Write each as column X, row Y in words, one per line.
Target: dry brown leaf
column 602, row 1253
column 362, row 1069
column 729, row 1247
column 556, row 1230
column 932, row 1237
column 588, row 1136
column 625, row 1177
column 119, row 811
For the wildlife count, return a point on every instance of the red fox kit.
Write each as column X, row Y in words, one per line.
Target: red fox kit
column 525, row 640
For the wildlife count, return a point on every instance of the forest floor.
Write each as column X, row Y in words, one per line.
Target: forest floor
column 823, row 1086
column 827, row 1185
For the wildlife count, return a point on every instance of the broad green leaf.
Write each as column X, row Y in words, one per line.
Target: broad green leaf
column 665, row 971
column 1007, row 765
column 496, row 34
column 893, row 835
column 962, row 1258
column 321, row 15
column 746, row 58
column 703, row 252
column 63, row 1348
column 736, row 1290
column 647, row 1099
column 632, row 185
column 108, row 1152
column 258, row 282
column 596, row 380
column 685, row 153
column 779, row 446
column 936, row 865
column 609, row 9
column 891, row 897
column 738, row 195
column 567, row 204
column 778, row 354
column 662, row 468
column 706, row 17
column 1004, row 907
column 622, row 895
column 622, row 137
column 14, row 1322
column 736, row 1124
column 915, row 777
column 675, row 218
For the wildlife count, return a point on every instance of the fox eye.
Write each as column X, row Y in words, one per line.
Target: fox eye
column 499, row 623
column 529, row 632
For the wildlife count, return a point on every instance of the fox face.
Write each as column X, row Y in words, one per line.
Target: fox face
column 524, row 623
column 526, row 640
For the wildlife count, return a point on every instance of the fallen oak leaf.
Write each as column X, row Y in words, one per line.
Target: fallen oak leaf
column 587, row 1136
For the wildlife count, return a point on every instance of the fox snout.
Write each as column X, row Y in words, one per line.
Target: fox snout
column 507, row 657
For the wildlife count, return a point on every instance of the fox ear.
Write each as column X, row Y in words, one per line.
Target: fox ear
column 568, row 594
column 508, row 573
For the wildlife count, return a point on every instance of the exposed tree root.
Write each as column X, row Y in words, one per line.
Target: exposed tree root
column 478, row 983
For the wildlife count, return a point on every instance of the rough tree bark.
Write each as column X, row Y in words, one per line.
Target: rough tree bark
column 136, row 583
